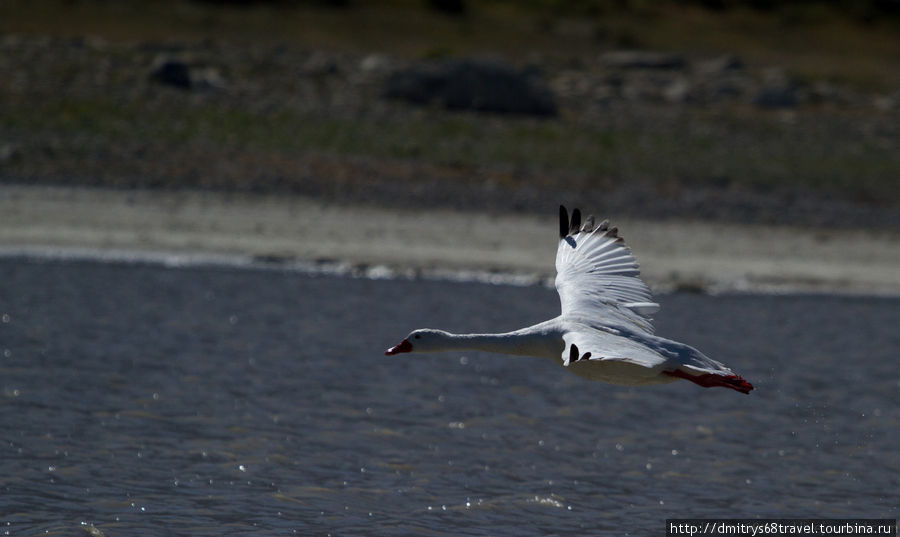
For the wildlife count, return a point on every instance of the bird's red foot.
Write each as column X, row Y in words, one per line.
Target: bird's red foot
column 709, row 380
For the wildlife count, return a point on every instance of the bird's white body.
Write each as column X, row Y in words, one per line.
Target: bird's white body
column 604, row 331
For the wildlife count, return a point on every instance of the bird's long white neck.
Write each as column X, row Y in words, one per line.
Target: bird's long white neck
column 509, row 343
column 533, row 341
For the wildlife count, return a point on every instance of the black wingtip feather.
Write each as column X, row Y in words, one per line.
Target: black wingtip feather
column 575, row 227
column 571, row 227
column 563, row 222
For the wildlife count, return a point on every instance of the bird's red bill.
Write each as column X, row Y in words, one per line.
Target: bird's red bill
column 403, row 346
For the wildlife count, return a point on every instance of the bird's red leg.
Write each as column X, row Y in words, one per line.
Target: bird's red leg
column 709, row 380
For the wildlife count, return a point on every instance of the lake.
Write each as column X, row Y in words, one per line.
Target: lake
column 140, row 399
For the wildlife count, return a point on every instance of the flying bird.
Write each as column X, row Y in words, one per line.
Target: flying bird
column 604, row 331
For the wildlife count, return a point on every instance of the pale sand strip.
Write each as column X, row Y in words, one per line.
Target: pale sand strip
column 38, row 220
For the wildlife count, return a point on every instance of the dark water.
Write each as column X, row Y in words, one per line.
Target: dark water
column 212, row 401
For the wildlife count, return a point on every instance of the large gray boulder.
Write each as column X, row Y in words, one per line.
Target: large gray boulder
column 472, row 84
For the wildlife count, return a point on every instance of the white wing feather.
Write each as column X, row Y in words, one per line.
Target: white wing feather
column 597, row 279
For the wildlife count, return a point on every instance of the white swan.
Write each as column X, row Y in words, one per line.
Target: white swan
column 604, row 331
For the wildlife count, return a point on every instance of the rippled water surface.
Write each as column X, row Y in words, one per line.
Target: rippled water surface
column 145, row 400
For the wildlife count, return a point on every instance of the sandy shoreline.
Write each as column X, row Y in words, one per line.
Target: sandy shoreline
column 90, row 222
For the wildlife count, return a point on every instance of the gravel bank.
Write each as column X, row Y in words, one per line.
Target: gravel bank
column 674, row 254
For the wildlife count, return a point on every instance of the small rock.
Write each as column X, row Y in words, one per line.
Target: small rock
column 9, row 153
column 678, row 91
column 776, row 97
column 721, row 64
column 886, row 103
column 725, row 90
column 180, row 74
column 824, row 92
column 375, row 63
column 639, row 59
column 208, row 78
column 172, row 73
column 319, row 64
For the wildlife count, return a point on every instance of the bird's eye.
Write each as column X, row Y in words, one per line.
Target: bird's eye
column 417, row 336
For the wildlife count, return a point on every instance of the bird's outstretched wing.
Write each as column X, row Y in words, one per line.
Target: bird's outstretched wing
column 599, row 346
column 597, row 278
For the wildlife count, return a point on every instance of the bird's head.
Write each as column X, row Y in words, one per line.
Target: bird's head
column 421, row 340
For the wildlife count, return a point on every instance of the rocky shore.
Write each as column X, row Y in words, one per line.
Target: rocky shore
column 722, row 175
column 635, row 133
